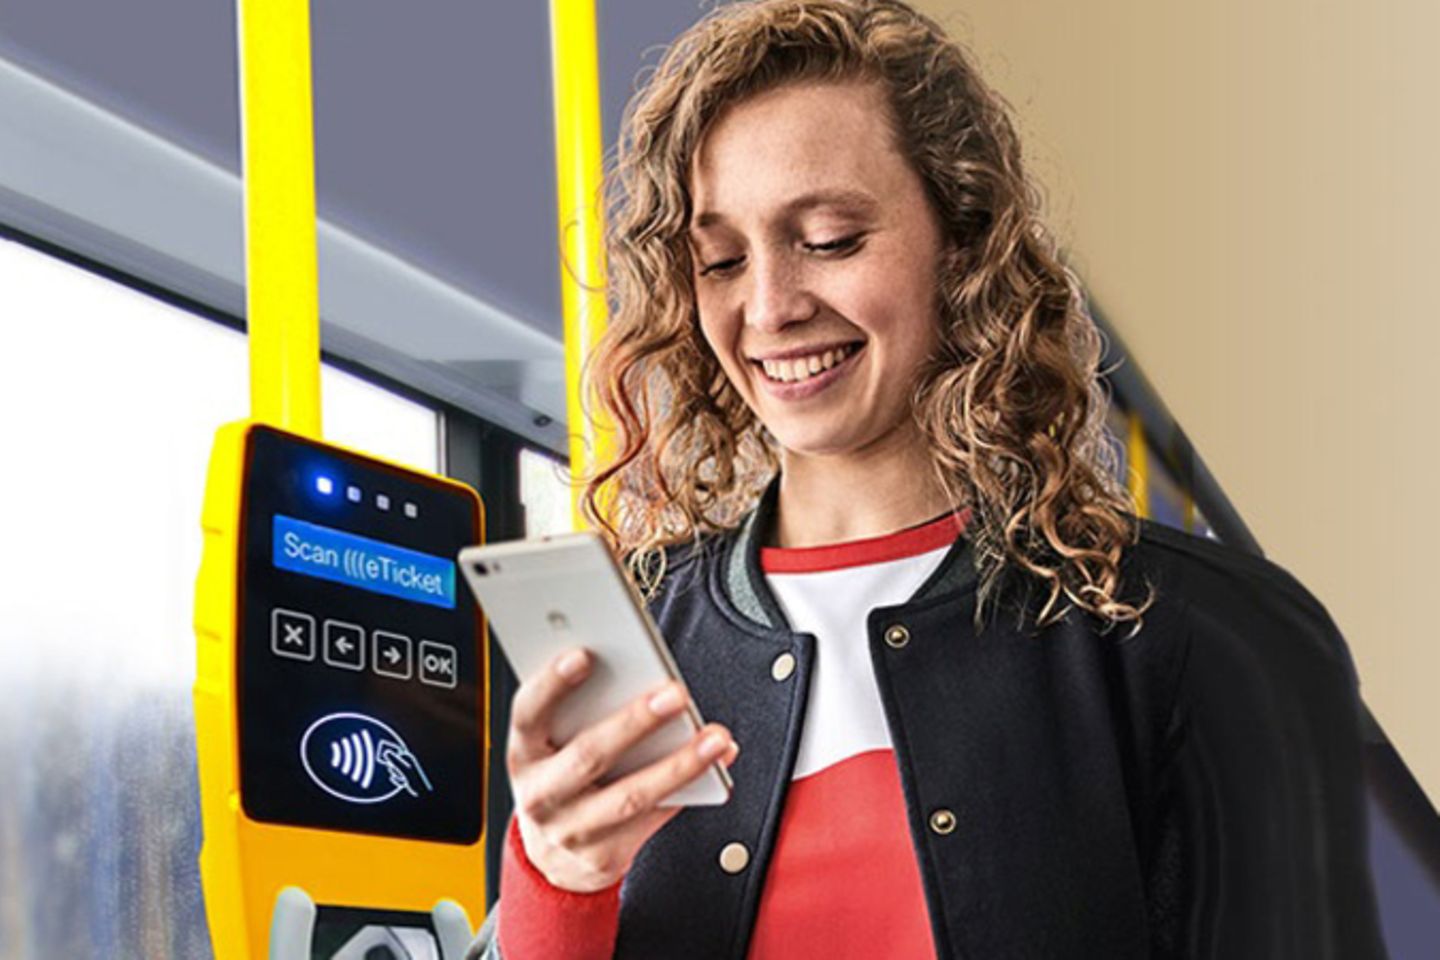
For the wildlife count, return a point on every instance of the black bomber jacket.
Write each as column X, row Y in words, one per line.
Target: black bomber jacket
column 1193, row 790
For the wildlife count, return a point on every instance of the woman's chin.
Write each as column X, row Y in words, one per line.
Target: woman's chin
column 817, row 440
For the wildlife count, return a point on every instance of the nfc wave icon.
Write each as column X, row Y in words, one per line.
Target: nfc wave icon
column 354, row 756
column 360, row 759
column 354, row 561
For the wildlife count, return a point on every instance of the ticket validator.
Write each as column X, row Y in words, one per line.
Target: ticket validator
column 342, row 687
column 341, row 679
column 339, row 705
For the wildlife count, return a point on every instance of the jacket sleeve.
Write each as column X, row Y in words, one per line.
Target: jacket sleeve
column 1259, row 842
column 543, row 921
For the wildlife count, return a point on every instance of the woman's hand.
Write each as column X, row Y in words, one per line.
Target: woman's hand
column 581, row 835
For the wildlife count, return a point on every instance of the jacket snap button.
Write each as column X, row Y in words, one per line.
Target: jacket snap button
column 942, row 821
column 783, row 666
column 897, row 636
column 734, row 858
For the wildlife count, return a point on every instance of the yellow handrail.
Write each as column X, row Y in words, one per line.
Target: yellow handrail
column 578, row 176
column 278, row 156
column 1139, row 472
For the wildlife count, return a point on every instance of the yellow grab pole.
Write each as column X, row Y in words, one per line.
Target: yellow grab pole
column 578, row 150
column 1139, row 473
column 278, row 160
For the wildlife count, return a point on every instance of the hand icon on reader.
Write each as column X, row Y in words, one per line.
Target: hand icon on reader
column 402, row 766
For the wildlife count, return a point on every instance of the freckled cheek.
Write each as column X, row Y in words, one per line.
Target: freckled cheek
column 908, row 307
column 721, row 339
column 902, row 336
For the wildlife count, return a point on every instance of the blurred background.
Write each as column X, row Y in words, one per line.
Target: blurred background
column 1246, row 191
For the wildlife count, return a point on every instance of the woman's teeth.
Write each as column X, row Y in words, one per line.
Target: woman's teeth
column 803, row 368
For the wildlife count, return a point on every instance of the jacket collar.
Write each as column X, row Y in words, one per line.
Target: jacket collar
column 748, row 591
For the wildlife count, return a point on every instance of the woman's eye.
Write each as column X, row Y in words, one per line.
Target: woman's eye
column 842, row 245
column 834, row 246
column 720, row 266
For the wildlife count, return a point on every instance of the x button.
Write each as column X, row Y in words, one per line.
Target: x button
column 292, row 634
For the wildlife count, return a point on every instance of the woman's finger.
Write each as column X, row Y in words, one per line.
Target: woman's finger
column 593, row 751
column 533, row 707
column 599, row 815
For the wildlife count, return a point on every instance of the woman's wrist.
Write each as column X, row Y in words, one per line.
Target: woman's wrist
column 543, row 920
column 565, row 885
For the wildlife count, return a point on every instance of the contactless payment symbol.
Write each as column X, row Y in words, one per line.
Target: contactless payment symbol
column 360, row 760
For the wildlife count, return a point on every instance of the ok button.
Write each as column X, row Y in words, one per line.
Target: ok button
column 437, row 664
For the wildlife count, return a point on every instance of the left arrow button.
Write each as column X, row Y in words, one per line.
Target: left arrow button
column 344, row 645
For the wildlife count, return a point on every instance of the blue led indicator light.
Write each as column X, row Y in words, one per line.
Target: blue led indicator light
column 325, row 485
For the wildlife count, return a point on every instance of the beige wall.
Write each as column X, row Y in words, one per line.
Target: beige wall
column 1251, row 193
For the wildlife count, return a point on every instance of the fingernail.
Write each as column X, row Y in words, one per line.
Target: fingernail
column 571, row 664
column 666, row 701
column 712, row 746
column 732, row 753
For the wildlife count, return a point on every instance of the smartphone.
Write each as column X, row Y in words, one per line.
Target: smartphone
column 550, row 594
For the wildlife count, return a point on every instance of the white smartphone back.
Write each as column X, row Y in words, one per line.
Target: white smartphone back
column 550, row 594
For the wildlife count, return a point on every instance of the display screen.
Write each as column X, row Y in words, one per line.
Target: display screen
column 360, row 666
column 361, row 562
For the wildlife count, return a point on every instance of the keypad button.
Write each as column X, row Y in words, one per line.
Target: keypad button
column 344, row 645
column 292, row 634
column 392, row 655
column 439, row 664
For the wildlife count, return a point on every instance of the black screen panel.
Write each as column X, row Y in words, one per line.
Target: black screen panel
column 359, row 664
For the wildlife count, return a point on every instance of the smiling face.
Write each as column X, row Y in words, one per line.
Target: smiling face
column 815, row 254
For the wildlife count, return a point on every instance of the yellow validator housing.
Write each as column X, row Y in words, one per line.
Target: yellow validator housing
column 340, row 704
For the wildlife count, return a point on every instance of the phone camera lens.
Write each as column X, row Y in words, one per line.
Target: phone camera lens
column 480, row 569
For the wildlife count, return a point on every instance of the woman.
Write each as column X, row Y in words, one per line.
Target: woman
column 863, row 480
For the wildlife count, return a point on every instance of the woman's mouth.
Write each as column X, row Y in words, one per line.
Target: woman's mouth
column 801, row 377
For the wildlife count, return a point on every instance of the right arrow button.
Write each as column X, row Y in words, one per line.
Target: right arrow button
column 392, row 655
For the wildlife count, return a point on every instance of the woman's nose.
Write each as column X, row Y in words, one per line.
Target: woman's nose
column 778, row 295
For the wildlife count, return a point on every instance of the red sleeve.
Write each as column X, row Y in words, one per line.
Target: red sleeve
column 540, row 921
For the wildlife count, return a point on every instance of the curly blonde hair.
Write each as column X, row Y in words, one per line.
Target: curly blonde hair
column 1011, row 402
